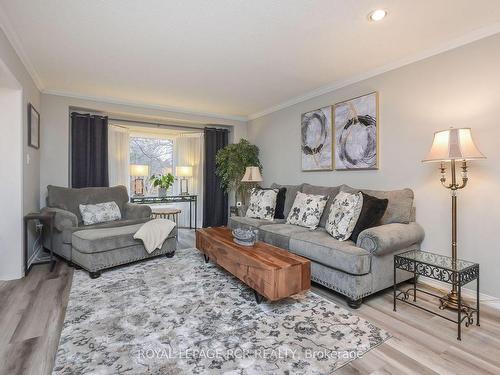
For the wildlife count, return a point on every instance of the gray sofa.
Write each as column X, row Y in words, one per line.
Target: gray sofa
column 100, row 246
column 355, row 270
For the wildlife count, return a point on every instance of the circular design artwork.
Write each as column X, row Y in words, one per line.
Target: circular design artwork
column 357, row 142
column 314, row 132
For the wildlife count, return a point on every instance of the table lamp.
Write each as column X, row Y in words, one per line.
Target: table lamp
column 252, row 174
column 183, row 173
column 452, row 146
column 139, row 172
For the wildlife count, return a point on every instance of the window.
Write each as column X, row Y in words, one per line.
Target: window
column 155, row 152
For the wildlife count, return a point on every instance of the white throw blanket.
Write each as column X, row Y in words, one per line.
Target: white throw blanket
column 154, row 233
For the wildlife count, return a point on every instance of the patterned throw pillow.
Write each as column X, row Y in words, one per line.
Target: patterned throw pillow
column 262, row 204
column 306, row 210
column 100, row 213
column 344, row 214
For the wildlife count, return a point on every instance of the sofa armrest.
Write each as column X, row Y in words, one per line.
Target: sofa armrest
column 388, row 238
column 136, row 211
column 63, row 219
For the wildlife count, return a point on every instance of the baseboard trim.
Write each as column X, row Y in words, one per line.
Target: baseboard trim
column 466, row 292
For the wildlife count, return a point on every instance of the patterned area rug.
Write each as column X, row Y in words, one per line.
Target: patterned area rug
column 185, row 316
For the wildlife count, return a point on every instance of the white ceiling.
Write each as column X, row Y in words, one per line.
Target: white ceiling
column 230, row 57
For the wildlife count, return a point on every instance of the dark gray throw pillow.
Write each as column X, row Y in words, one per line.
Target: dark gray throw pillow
column 280, row 204
column 371, row 213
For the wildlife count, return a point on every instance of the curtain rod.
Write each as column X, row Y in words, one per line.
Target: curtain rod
column 157, row 124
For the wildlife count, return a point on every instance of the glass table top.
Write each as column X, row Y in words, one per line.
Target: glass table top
column 437, row 260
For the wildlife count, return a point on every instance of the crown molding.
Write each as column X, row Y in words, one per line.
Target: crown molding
column 104, row 99
column 15, row 42
column 471, row 37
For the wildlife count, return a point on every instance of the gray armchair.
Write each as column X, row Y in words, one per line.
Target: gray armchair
column 68, row 224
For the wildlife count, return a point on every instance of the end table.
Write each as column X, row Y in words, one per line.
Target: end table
column 440, row 268
column 47, row 219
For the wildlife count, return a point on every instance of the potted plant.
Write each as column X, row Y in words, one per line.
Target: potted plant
column 163, row 182
column 231, row 162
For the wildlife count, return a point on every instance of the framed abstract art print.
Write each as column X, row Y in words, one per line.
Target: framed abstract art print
column 316, row 140
column 356, row 124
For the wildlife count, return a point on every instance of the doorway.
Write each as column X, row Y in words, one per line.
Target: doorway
column 11, row 172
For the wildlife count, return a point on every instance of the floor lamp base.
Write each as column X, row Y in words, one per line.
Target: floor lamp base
column 450, row 301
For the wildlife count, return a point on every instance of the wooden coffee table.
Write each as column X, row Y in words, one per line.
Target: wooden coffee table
column 272, row 272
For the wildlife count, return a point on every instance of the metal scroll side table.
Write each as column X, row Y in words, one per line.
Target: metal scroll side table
column 441, row 268
column 47, row 219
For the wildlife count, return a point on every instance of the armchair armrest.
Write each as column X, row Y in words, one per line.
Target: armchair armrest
column 388, row 238
column 63, row 219
column 136, row 211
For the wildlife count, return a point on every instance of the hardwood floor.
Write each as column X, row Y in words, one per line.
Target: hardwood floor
column 32, row 312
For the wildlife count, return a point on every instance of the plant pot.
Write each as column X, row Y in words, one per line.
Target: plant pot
column 162, row 192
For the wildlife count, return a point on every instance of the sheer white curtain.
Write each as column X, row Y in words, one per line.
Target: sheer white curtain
column 188, row 151
column 118, row 156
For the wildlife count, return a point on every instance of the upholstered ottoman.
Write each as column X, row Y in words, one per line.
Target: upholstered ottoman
column 97, row 249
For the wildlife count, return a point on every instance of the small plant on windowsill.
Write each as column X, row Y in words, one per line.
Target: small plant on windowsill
column 162, row 182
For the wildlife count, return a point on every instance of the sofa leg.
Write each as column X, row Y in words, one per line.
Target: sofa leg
column 170, row 255
column 95, row 275
column 354, row 303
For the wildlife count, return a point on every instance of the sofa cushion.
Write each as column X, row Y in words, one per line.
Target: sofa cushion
column 372, row 211
column 67, row 233
column 69, row 199
column 344, row 214
column 291, row 192
column 91, row 241
column 320, row 247
column 100, row 213
column 307, row 210
column 322, row 190
column 399, row 208
column 262, row 204
column 279, row 234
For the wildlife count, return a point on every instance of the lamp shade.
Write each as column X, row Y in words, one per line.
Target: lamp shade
column 185, row 171
column 453, row 144
column 137, row 170
column 252, row 174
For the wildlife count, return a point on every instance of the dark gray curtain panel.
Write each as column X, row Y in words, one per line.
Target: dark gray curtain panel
column 89, row 150
column 215, row 202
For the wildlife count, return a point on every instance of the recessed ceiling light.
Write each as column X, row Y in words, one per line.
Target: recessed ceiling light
column 377, row 15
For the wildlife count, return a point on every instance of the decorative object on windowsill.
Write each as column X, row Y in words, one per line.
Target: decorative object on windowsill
column 356, row 133
column 183, row 173
column 139, row 172
column 162, row 182
column 33, row 127
column 245, row 237
column 450, row 146
column 231, row 162
column 317, row 140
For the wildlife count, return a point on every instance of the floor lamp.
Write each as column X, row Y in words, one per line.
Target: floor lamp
column 452, row 146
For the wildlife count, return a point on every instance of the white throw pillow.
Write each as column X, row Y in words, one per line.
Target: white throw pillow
column 307, row 210
column 262, row 204
column 344, row 214
column 100, row 213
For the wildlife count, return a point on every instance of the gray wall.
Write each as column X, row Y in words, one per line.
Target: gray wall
column 55, row 131
column 459, row 88
column 31, row 173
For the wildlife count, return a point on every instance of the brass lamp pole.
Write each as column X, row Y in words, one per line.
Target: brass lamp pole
column 453, row 145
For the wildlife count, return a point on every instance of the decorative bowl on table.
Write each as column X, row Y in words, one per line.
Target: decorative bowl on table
column 245, row 237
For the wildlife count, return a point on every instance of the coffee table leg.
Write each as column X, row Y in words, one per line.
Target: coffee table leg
column 206, row 258
column 258, row 298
